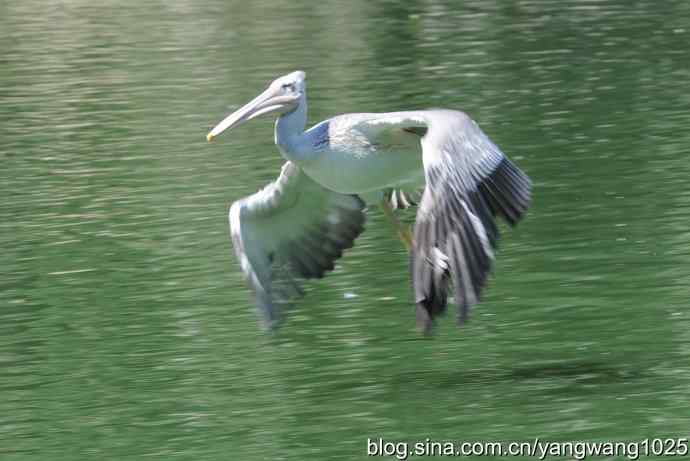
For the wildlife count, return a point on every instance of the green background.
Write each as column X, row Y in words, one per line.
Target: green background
column 126, row 330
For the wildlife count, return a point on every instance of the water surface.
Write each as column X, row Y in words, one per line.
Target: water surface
column 126, row 331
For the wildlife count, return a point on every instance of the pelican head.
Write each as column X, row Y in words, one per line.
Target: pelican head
column 282, row 95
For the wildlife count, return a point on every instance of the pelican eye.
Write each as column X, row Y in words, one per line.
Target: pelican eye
column 288, row 86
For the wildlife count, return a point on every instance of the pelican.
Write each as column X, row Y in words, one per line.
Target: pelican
column 298, row 226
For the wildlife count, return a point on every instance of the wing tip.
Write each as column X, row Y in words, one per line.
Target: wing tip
column 507, row 191
column 274, row 272
column 467, row 234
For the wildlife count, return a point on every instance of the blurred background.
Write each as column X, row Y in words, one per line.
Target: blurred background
column 126, row 330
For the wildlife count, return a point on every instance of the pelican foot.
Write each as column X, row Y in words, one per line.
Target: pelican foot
column 406, row 237
column 404, row 232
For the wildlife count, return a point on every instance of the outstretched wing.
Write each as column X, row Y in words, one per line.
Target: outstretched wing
column 469, row 182
column 291, row 229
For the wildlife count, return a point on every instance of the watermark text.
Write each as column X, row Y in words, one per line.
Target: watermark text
column 537, row 448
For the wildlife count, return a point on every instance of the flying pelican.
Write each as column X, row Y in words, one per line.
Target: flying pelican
column 298, row 226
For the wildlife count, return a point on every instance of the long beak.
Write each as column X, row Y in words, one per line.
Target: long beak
column 269, row 101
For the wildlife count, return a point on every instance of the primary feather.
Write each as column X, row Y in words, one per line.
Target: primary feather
column 292, row 229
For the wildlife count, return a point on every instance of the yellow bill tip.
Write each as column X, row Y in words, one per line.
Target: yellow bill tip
column 209, row 137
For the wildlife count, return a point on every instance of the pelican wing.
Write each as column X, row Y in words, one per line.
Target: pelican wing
column 292, row 229
column 469, row 182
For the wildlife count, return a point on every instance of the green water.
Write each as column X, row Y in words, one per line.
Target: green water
column 127, row 333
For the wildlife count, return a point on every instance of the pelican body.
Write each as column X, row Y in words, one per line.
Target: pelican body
column 350, row 162
column 299, row 225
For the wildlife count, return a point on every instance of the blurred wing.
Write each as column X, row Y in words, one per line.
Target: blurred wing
column 469, row 181
column 291, row 229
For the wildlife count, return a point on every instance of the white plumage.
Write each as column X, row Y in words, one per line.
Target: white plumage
column 297, row 226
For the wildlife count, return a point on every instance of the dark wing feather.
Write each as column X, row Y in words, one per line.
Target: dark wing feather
column 292, row 229
column 469, row 182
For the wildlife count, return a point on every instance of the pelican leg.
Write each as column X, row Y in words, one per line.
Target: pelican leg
column 404, row 232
